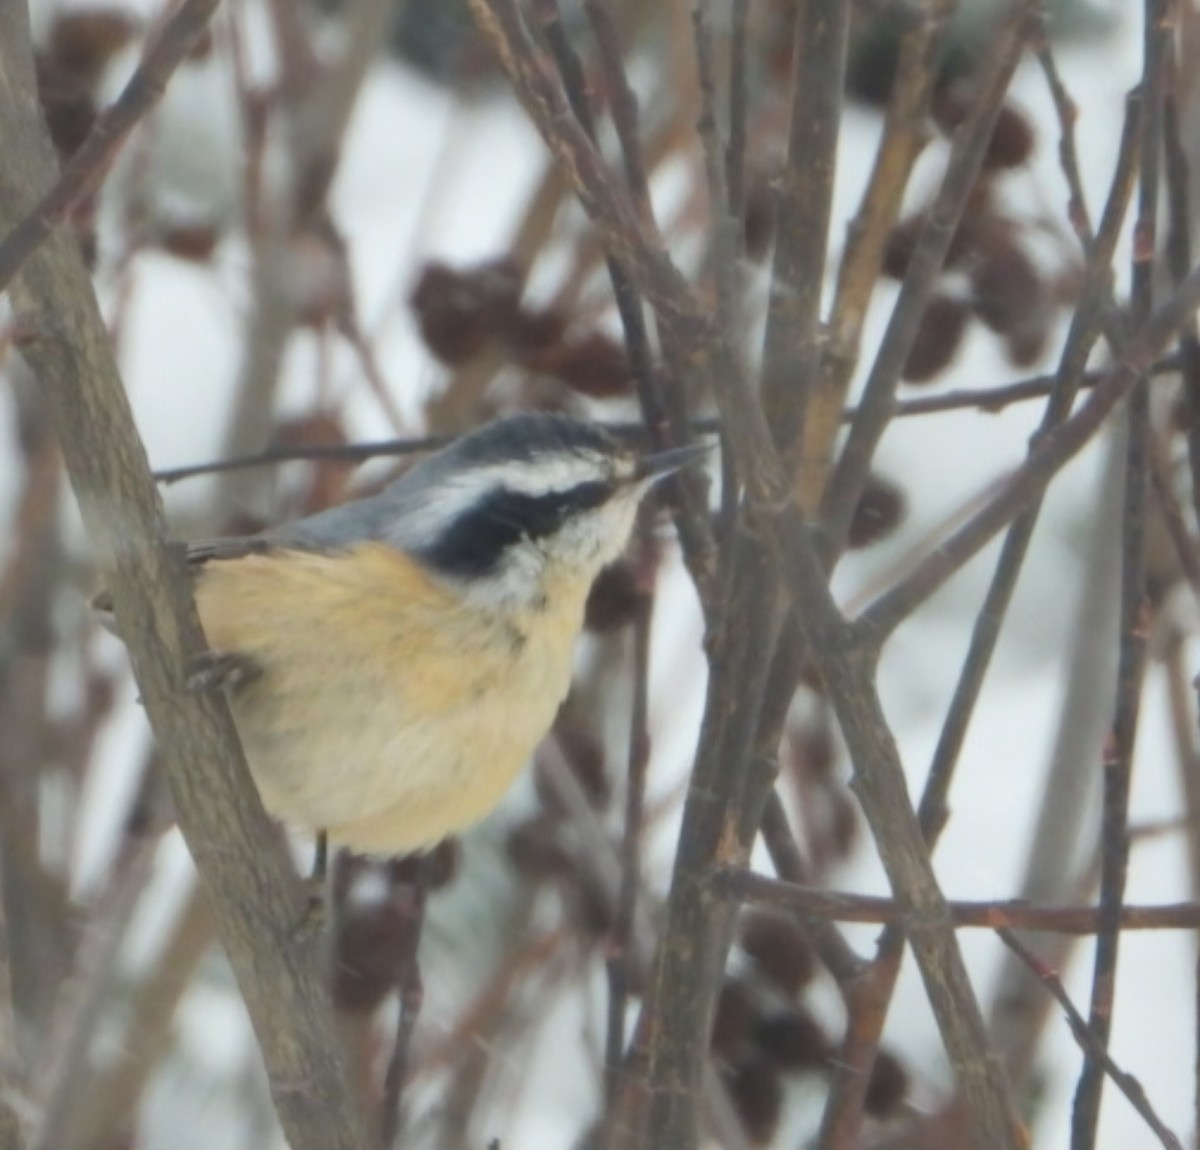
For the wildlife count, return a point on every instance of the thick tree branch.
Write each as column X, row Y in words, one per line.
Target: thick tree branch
column 803, row 202
column 1118, row 753
column 256, row 897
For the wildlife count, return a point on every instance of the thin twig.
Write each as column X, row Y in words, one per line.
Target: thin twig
column 840, row 906
column 110, row 1101
column 905, row 134
column 87, row 166
column 691, row 519
column 12, row 1137
column 618, row 956
column 1053, row 452
column 1089, row 1043
column 1084, row 330
column 1187, row 758
column 966, row 158
column 675, row 1018
column 830, row 946
column 1067, row 112
column 990, row 400
column 735, row 146
column 316, row 103
column 847, row 669
column 411, row 991
column 622, row 103
column 987, row 400
column 1118, row 756
column 1179, row 259
column 1183, row 542
column 66, row 1074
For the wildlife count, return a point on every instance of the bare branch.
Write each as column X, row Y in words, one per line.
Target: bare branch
column 966, row 158
column 803, row 203
column 87, row 166
column 904, row 137
column 1012, row 914
column 1089, row 1043
column 1131, row 666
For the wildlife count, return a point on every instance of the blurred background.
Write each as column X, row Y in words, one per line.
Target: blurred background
column 340, row 226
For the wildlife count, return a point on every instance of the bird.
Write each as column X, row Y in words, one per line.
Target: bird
column 392, row 663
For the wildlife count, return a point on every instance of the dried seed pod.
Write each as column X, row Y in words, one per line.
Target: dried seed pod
column 756, row 1091
column 888, row 1087
column 83, row 41
column 978, row 221
column 811, row 750
column 758, row 217
column 1012, row 140
column 880, row 510
column 371, row 945
column 733, row 1019
column 1008, row 290
column 68, row 106
column 319, row 277
column 939, row 336
column 1013, row 136
column 531, row 331
column 843, row 825
column 594, row 365
column 1028, row 346
column 872, row 59
column 374, row 938
column 901, row 242
column 592, row 905
column 615, row 599
column 535, row 851
column 435, row 868
column 329, row 477
column 194, row 243
column 776, row 945
column 792, row 1040
column 459, row 312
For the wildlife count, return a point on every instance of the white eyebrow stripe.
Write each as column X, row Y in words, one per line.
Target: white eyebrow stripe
column 445, row 501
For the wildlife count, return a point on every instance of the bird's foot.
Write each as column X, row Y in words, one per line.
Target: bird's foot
column 212, row 670
column 316, row 913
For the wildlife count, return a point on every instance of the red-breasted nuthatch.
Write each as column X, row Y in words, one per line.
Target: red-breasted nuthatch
column 393, row 662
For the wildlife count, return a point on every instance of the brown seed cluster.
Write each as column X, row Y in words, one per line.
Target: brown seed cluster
column 464, row 314
column 78, row 49
column 881, row 509
column 548, row 849
column 765, row 1032
column 763, row 1035
column 374, row 937
column 1005, row 289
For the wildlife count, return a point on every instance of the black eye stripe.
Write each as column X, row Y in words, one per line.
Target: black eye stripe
column 474, row 544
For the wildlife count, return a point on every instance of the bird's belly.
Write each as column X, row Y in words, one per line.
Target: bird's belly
column 383, row 711
column 388, row 783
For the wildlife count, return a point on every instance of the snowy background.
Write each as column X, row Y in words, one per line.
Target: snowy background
column 426, row 175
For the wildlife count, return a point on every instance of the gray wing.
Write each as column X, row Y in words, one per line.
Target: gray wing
column 377, row 517
column 398, row 515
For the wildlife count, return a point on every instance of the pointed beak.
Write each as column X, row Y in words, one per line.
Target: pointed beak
column 653, row 467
